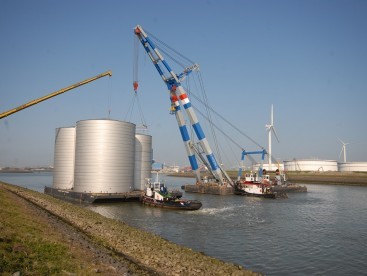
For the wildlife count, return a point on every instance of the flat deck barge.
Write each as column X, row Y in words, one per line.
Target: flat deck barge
column 209, row 188
column 70, row 195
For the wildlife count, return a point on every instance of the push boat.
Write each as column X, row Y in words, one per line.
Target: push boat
column 257, row 184
column 254, row 185
column 157, row 195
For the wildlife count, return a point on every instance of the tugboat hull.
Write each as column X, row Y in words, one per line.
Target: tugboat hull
column 190, row 205
column 243, row 193
column 258, row 190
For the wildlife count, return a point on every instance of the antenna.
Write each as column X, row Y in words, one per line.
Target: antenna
column 270, row 128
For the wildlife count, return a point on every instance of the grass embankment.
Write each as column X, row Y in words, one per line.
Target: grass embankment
column 31, row 246
column 28, row 246
column 334, row 178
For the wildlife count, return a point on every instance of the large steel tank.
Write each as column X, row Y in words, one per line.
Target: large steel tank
column 310, row 165
column 64, row 155
column 352, row 167
column 143, row 160
column 104, row 156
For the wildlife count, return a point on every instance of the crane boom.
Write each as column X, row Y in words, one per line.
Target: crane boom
column 36, row 101
column 180, row 98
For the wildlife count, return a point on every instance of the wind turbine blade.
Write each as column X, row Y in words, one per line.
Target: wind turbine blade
column 275, row 133
column 272, row 116
column 340, row 140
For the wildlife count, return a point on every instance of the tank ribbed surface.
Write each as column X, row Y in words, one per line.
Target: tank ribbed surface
column 143, row 160
column 104, row 156
column 64, row 155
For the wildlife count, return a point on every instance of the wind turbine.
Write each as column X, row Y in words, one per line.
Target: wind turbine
column 344, row 150
column 270, row 128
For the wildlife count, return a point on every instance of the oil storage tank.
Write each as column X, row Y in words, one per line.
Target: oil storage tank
column 143, row 160
column 64, row 156
column 310, row 165
column 104, row 156
column 353, row 167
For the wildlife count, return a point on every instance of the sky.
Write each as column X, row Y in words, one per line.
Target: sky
column 306, row 57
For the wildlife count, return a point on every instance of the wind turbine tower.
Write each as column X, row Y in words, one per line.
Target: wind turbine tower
column 270, row 128
column 344, row 150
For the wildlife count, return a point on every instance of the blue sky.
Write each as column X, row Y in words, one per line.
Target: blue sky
column 308, row 58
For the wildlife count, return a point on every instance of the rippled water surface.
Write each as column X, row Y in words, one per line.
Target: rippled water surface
column 322, row 232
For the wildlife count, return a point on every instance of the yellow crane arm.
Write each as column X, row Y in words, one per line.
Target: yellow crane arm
column 11, row 111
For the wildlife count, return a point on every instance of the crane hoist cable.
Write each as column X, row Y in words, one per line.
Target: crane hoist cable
column 176, row 56
column 130, row 110
column 167, row 50
column 161, row 43
column 135, row 97
column 228, row 122
column 206, row 104
column 136, row 64
column 226, row 135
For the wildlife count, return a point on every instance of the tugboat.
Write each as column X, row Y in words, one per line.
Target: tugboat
column 254, row 185
column 157, row 195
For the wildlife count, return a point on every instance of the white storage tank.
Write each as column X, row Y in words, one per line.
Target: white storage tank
column 353, row 167
column 143, row 160
column 311, row 165
column 268, row 168
column 104, row 156
column 64, row 155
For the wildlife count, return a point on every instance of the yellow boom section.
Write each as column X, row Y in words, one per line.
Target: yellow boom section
column 11, row 111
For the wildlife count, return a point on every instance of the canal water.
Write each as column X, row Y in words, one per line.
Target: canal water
column 322, row 232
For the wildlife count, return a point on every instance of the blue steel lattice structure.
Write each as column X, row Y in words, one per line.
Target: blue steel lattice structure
column 179, row 98
column 244, row 153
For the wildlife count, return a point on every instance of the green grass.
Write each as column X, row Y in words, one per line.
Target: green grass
column 27, row 245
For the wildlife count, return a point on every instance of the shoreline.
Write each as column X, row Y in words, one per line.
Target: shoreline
column 149, row 253
column 334, row 178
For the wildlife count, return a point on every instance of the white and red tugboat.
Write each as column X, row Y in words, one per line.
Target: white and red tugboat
column 157, row 195
column 256, row 184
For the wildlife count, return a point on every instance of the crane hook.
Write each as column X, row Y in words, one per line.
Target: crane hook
column 135, row 85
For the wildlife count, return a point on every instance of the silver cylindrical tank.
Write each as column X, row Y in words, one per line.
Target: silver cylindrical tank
column 64, row 155
column 310, row 165
column 104, row 156
column 353, row 167
column 143, row 160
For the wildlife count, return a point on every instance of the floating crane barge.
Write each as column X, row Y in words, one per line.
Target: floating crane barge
column 221, row 183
